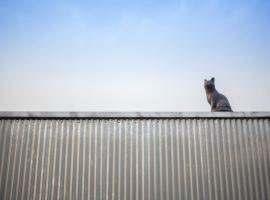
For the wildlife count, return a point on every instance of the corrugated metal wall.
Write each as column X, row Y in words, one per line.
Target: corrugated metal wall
column 135, row 159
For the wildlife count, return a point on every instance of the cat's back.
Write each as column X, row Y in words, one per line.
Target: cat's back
column 222, row 103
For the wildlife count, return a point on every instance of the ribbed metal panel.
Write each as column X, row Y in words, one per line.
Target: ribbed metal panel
column 135, row 159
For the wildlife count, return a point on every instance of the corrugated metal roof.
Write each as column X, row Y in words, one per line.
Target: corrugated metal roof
column 216, row 157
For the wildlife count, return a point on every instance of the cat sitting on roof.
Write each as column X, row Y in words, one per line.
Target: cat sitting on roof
column 218, row 102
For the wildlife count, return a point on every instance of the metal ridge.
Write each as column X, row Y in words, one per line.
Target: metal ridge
column 135, row 115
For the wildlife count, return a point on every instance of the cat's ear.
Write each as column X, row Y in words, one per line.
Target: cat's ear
column 213, row 79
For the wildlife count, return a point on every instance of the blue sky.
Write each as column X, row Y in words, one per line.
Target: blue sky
column 133, row 55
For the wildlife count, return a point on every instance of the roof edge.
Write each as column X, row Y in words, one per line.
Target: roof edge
column 136, row 115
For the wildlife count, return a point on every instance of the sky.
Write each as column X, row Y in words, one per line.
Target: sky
column 127, row 55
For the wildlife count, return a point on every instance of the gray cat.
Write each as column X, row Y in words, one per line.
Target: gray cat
column 218, row 102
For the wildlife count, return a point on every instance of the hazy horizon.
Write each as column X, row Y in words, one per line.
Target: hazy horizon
column 133, row 55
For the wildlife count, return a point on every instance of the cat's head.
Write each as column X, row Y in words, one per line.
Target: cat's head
column 209, row 85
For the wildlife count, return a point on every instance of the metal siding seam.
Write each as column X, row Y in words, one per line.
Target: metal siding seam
column 230, row 152
column 60, row 160
column 216, row 147
column 202, row 160
column 266, row 158
column 195, row 157
column 117, row 143
column 95, row 160
column 148, row 161
column 249, row 162
column 142, row 155
column 159, row 190
column 248, row 156
column 185, row 194
column 236, row 160
column 14, row 131
column 147, row 158
column 14, row 158
column 37, row 163
column 70, row 169
column 119, row 133
column 213, row 164
column 81, row 161
column 90, row 157
column 20, row 161
column 134, row 152
column 56, row 160
column 65, row 151
column 131, row 157
column 259, row 157
column 130, row 150
column 243, row 169
column 218, row 135
column 137, row 161
column 225, row 159
column 53, row 158
column 169, row 155
column 177, row 122
column 229, row 158
column 208, row 167
column 4, row 138
column 196, row 161
column 75, row 163
column 78, row 160
column 11, row 156
column 121, row 159
column 35, row 134
column 172, row 133
column 73, row 158
column 66, row 160
column 267, row 132
column 160, row 159
column 2, row 147
column 155, row 158
column 189, row 161
column 104, row 158
column 166, row 159
column 207, row 180
column 101, row 157
column 113, row 163
column 26, row 159
column 253, row 159
column 43, row 158
column 48, row 161
column 195, row 137
column 125, row 159
column 108, row 161
column 83, row 158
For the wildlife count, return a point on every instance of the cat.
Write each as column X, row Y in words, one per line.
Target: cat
column 218, row 102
